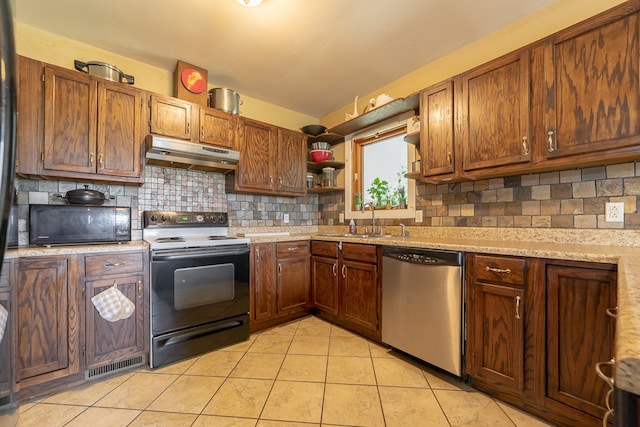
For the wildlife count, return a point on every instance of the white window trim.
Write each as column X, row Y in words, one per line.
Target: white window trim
column 410, row 211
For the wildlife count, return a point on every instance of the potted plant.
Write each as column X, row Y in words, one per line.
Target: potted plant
column 378, row 191
column 402, row 197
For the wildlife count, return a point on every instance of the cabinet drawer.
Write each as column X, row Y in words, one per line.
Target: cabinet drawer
column 500, row 269
column 327, row 249
column 292, row 249
column 113, row 263
column 360, row 252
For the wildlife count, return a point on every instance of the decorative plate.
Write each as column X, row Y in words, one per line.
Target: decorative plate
column 193, row 81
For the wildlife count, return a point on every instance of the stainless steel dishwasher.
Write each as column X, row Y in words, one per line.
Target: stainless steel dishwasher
column 422, row 305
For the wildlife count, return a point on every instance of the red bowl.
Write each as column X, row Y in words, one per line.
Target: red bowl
column 320, row 155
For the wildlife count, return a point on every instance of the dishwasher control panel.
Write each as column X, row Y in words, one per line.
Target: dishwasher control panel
column 422, row 256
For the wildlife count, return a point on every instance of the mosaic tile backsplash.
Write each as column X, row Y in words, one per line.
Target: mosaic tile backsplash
column 563, row 199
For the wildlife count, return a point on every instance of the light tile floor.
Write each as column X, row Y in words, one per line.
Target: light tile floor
column 304, row 373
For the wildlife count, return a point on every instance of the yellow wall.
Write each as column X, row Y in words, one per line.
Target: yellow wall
column 559, row 15
column 54, row 49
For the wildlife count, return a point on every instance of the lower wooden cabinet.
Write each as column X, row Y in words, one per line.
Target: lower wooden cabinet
column 108, row 342
column 535, row 330
column 346, row 284
column 47, row 320
column 279, row 282
column 60, row 336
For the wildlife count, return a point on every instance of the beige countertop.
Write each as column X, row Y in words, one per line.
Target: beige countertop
column 74, row 249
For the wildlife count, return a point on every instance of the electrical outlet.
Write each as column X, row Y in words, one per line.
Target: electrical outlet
column 614, row 212
column 285, row 219
column 341, row 217
column 418, row 215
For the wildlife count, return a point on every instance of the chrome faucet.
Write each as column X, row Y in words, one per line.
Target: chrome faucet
column 373, row 217
column 403, row 231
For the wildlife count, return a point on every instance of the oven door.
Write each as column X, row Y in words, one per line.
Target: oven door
column 196, row 287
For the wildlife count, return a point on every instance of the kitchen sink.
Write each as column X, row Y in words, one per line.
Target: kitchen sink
column 355, row 236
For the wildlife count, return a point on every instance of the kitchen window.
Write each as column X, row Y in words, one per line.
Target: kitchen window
column 377, row 159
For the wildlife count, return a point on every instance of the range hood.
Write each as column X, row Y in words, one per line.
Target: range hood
column 174, row 153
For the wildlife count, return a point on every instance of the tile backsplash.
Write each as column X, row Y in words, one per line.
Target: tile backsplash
column 562, row 199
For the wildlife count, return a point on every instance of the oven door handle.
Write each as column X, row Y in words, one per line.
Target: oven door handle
column 168, row 256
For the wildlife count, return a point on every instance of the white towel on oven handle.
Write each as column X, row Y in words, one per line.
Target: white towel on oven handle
column 113, row 305
column 4, row 316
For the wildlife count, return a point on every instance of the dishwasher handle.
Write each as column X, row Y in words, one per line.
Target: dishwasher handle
column 423, row 257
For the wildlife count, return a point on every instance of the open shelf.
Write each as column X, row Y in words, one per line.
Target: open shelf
column 413, row 175
column 317, row 167
column 413, row 138
column 377, row 115
column 325, row 190
column 331, row 138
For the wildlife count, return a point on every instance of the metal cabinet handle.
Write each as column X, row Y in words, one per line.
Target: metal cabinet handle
column 525, row 146
column 101, row 160
column 114, row 264
column 257, row 255
column 518, row 307
column 344, row 271
column 91, row 158
column 449, row 158
column 270, row 181
column 335, row 269
column 202, row 132
column 279, row 268
column 139, row 287
column 498, row 270
column 188, row 127
column 339, row 245
column 552, row 146
column 280, row 180
column 613, row 312
column 601, row 374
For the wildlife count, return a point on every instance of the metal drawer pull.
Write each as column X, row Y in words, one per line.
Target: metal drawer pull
column 115, row 264
column 599, row 365
column 498, row 270
column 525, row 147
column 613, row 312
column 293, row 248
column 518, row 307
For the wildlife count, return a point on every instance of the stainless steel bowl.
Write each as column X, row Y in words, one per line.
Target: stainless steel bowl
column 320, row 145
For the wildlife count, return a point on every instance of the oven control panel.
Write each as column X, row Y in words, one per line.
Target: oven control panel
column 185, row 219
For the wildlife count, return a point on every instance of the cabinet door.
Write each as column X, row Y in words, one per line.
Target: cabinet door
column 105, row 341
column 593, row 93
column 7, row 370
column 119, row 129
column 579, row 334
column 257, row 165
column 359, row 294
column 437, row 149
column 30, row 128
column 292, row 162
column 42, row 315
column 292, row 293
column 263, row 281
column 496, row 335
column 70, row 108
column 324, row 283
column 495, row 111
column 217, row 127
column 171, row 117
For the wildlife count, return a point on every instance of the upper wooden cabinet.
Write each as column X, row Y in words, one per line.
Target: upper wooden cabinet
column 90, row 128
column 494, row 112
column 181, row 119
column 437, row 147
column 272, row 160
column 592, row 89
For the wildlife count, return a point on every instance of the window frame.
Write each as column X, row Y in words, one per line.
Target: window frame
column 387, row 128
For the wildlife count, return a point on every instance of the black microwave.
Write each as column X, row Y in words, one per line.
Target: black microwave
column 78, row 224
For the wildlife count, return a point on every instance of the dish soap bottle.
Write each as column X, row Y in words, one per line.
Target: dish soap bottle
column 352, row 227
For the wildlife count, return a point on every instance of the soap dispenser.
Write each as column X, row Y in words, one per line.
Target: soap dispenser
column 352, row 227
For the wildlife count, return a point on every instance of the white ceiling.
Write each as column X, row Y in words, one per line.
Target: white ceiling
column 311, row 56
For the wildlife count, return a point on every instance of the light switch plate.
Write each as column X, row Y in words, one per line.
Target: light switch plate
column 285, row 218
column 341, row 217
column 418, row 215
